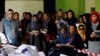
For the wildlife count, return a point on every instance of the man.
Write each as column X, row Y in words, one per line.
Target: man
column 9, row 28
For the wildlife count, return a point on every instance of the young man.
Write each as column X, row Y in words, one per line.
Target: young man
column 9, row 27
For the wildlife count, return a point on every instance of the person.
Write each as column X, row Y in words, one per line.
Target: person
column 33, row 29
column 81, row 20
column 94, row 25
column 24, row 23
column 60, row 20
column 17, row 23
column 71, row 18
column 9, row 28
column 81, row 29
column 40, row 16
column 49, row 36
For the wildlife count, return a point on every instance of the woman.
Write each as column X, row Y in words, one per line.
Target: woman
column 33, row 31
column 71, row 18
column 81, row 28
column 95, row 25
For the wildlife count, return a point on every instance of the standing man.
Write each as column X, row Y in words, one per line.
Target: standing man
column 9, row 28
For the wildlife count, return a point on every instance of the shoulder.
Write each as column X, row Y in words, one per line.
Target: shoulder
column 3, row 20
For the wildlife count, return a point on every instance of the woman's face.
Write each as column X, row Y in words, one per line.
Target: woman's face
column 81, row 30
column 28, row 16
column 40, row 15
column 25, row 15
column 71, row 29
column 94, row 18
column 81, row 20
column 62, row 31
column 65, row 15
column 34, row 19
column 70, row 15
column 16, row 16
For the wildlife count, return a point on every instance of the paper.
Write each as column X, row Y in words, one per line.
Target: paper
column 63, row 55
column 3, row 38
column 41, row 53
column 97, row 32
column 35, row 31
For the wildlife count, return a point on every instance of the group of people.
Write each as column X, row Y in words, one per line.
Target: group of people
column 62, row 32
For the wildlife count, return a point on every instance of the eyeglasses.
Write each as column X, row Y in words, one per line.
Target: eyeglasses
column 81, row 29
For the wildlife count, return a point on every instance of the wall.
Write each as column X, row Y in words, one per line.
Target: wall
column 72, row 4
column 78, row 6
column 81, row 7
column 88, row 5
column 21, row 6
column 60, row 4
column 97, row 4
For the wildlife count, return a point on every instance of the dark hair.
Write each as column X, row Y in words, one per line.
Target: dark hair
column 73, row 15
column 24, row 13
column 60, row 10
column 63, row 28
column 10, row 10
column 46, row 13
column 28, row 13
column 16, row 13
column 80, row 16
column 35, row 16
column 39, row 12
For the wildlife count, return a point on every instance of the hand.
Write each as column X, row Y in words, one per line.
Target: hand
column 50, row 41
column 68, row 44
column 36, row 33
column 59, row 45
column 31, row 33
column 45, row 30
column 92, row 35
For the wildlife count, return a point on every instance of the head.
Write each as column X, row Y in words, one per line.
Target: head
column 25, row 15
column 65, row 15
column 10, row 14
column 34, row 18
column 63, row 30
column 40, row 14
column 29, row 15
column 70, row 14
column 16, row 16
column 94, row 18
column 60, row 13
column 46, row 16
column 81, row 28
column 81, row 20
column 71, row 29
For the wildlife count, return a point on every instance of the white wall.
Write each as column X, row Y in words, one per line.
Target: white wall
column 88, row 5
column 21, row 6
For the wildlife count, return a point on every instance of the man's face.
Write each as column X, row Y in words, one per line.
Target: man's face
column 46, row 17
column 60, row 13
column 10, row 15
